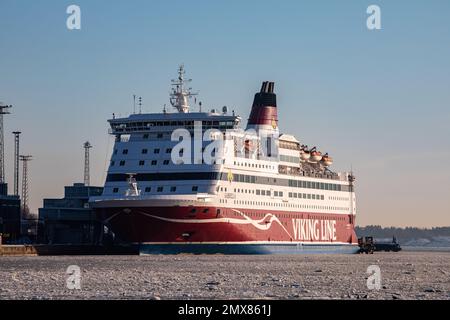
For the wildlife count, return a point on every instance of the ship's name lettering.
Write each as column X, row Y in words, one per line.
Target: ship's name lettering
column 314, row 229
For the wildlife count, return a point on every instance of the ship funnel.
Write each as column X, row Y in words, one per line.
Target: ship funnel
column 264, row 109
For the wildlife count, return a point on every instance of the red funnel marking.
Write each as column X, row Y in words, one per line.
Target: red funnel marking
column 264, row 109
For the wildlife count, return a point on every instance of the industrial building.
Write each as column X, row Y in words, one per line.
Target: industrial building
column 70, row 220
column 9, row 205
column 9, row 215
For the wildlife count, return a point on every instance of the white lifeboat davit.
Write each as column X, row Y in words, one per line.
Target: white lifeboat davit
column 327, row 160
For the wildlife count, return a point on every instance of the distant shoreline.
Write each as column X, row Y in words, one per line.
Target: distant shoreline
column 425, row 249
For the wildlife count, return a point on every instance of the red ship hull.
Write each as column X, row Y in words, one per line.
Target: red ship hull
column 206, row 229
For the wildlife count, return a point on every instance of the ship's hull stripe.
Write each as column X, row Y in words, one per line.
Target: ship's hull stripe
column 247, row 248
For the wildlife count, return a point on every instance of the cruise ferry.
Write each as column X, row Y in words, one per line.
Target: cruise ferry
column 195, row 181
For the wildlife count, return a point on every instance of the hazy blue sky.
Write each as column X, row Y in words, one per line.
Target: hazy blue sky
column 375, row 100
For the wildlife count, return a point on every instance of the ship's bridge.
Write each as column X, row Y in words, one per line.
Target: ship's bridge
column 167, row 122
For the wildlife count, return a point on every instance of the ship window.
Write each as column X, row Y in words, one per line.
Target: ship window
column 295, row 195
column 115, row 190
column 314, row 197
column 144, row 151
column 125, row 151
column 195, row 188
column 263, row 192
column 145, row 136
column 276, row 193
column 115, row 151
column 160, row 189
column 148, row 189
column 173, row 189
column 290, row 194
column 122, row 163
column 166, row 162
column 168, row 150
column 280, row 193
column 159, row 136
column 154, row 162
column 268, row 192
column 112, row 163
column 141, row 163
column 156, row 151
column 309, row 196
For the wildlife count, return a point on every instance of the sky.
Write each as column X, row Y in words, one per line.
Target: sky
column 377, row 100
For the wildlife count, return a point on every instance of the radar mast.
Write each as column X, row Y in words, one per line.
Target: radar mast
column 179, row 97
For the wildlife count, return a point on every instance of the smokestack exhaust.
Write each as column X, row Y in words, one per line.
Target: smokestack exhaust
column 264, row 109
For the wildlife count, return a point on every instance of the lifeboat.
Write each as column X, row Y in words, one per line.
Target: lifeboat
column 327, row 160
column 304, row 153
column 316, row 156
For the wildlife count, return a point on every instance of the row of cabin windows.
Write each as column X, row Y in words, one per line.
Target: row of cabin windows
column 339, row 198
column 253, row 165
column 160, row 189
column 168, row 150
column 153, row 162
column 145, row 151
column 289, row 205
column 306, row 196
column 141, row 163
column 290, row 216
column 187, row 123
column 315, row 185
column 291, row 183
column 292, row 159
column 259, row 192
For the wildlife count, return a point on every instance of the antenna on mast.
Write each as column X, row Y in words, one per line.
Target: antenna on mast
column 134, row 104
column 16, row 161
column 25, row 195
column 87, row 176
column 179, row 97
column 4, row 109
column 140, row 105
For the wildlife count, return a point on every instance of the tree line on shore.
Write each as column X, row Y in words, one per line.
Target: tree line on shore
column 402, row 234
